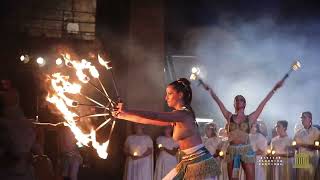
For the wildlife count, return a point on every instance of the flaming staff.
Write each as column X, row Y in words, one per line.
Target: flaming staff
column 195, row 73
column 296, row 65
column 108, row 66
column 61, row 85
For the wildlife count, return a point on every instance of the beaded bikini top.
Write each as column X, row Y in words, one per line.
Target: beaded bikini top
column 243, row 126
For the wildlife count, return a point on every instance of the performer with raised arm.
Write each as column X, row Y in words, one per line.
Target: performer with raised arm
column 240, row 150
column 197, row 162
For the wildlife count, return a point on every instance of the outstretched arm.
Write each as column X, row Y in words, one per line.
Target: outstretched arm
column 254, row 116
column 149, row 117
column 227, row 114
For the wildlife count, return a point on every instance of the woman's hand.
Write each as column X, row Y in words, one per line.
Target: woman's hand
column 278, row 85
column 120, row 109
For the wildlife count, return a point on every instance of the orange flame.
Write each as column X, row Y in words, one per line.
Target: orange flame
column 80, row 67
column 61, row 85
column 101, row 148
column 103, row 62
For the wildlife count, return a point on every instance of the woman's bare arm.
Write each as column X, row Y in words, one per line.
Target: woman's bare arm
column 226, row 114
column 254, row 116
column 152, row 118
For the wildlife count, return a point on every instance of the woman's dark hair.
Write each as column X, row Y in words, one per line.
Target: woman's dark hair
column 284, row 123
column 257, row 126
column 183, row 85
column 240, row 97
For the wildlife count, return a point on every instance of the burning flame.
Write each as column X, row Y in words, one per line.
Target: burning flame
column 195, row 72
column 61, row 85
column 296, row 65
column 104, row 63
column 101, row 148
column 80, row 67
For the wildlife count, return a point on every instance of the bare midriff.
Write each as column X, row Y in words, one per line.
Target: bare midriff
column 186, row 134
column 237, row 137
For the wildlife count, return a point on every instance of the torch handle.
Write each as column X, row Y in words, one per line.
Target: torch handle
column 202, row 84
column 287, row 75
column 115, row 86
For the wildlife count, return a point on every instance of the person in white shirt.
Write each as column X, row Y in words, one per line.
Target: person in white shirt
column 281, row 146
column 305, row 139
column 212, row 141
column 139, row 151
column 167, row 158
column 259, row 145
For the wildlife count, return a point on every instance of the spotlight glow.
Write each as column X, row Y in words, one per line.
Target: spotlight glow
column 40, row 61
column 221, row 153
column 269, row 151
column 22, row 58
column 59, row 61
column 195, row 72
column 294, row 143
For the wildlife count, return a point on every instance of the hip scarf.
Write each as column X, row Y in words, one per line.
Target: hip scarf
column 240, row 153
column 197, row 163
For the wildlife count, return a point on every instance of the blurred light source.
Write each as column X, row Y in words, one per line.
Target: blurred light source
column 269, row 151
column 203, row 120
column 24, row 58
column 195, row 72
column 59, row 61
column 40, row 61
column 294, row 143
column 221, row 153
